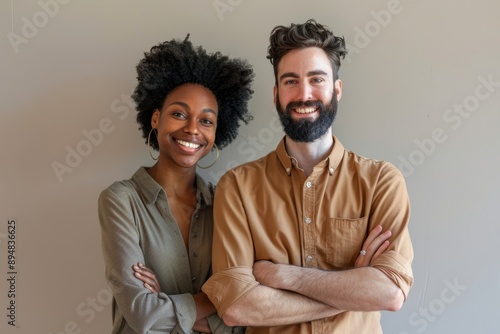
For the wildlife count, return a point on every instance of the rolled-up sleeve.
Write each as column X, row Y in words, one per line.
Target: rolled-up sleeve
column 232, row 250
column 227, row 286
column 391, row 209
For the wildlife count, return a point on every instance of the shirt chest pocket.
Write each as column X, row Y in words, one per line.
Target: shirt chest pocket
column 344, row 238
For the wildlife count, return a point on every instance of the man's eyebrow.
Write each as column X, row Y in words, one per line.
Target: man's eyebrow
column 316, row 72
column 309, row 74
column 288, row 75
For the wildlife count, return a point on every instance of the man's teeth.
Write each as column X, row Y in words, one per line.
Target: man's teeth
column 305, row 110
column 188, row 144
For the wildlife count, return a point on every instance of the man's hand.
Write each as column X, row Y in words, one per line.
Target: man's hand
column 268, row 273
column 264, row 273
column 362, row 288
column 376, row 243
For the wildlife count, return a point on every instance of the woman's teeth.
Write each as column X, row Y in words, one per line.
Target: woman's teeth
column 188, row 144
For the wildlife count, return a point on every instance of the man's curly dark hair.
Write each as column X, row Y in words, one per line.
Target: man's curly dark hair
column 173, row 63
column 298, row 36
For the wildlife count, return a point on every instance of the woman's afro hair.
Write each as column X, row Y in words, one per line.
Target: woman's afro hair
column 173, row 63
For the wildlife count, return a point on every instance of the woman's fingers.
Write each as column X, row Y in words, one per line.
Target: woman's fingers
column 147, row 277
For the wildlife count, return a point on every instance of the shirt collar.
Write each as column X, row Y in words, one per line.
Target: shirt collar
column 332, row 161
column 150, row 189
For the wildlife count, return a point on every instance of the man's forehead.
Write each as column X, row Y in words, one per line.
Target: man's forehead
column 305, row 62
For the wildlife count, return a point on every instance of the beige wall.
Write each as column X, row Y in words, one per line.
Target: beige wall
column 421, row 89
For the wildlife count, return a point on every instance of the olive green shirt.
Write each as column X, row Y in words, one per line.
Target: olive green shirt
column 137, row 225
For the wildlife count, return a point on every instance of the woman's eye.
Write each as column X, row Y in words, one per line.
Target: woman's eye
column 178, row 114
column 207, row 121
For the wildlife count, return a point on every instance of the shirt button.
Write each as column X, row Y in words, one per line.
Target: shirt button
column 308, row 184
column 193, row 279
column 309, row 258
column 196, row 216
column 331, row 170
column 308, row 220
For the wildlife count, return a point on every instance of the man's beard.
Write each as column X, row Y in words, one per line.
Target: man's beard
column 307, row 130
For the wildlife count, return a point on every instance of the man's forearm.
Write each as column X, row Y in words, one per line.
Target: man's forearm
column 266, row 306
column 359, row 289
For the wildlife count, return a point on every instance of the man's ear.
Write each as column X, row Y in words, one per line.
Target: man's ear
column 275, row 94
column 338, row 88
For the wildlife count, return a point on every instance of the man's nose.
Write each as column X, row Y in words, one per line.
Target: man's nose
column 305, row 92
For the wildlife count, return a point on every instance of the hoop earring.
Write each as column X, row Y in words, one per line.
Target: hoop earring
column 149, row 145
column 213, row 163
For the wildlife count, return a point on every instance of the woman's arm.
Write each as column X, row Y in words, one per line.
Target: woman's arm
column 121, row 237
column 204, row 307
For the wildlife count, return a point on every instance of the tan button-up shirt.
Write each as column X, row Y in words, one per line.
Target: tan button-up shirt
column 268, row 210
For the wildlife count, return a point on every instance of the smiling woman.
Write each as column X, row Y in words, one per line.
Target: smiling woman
column 159, row 222
column 186, row 124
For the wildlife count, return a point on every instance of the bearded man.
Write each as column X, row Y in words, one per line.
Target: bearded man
column 311, row 238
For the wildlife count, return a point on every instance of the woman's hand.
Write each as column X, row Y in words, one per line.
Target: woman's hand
column 204, row 307
column 147, row 276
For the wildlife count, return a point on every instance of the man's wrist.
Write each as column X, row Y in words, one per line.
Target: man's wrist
column 285, row 276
